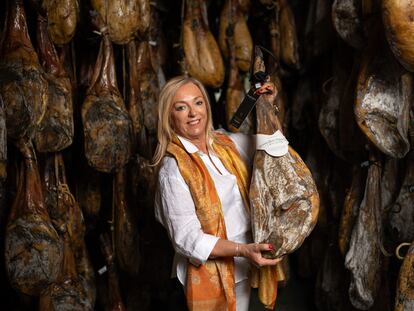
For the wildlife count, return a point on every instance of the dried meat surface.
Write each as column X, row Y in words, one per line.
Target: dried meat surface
column 33, row 250
column 364, row 258
column 23, row 87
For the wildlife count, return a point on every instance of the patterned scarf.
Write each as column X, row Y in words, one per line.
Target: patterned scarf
column 211, row 286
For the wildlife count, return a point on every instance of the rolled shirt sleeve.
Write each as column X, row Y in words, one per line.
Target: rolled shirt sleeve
column 175, row 210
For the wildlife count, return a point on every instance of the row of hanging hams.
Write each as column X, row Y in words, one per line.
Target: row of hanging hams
column 45, row 252
column 343, row 74
column 365, row 119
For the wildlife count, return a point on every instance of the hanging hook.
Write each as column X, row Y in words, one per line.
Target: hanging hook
column 398, row 249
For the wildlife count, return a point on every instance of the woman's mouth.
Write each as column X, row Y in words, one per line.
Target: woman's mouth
column 194, row 122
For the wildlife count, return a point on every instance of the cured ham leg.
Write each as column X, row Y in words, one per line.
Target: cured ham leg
column 23, row 88
column 62, row 18
column 33, row 250
column 56, row 129
column 107, row 126
column 201, row 50
column 283, row 196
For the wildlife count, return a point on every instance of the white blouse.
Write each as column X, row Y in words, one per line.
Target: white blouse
column 175, row 210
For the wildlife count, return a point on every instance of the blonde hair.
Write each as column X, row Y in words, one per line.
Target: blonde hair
column 165, row 132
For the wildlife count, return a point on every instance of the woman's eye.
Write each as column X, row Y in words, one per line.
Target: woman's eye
column 179, row 108
column 199, row 102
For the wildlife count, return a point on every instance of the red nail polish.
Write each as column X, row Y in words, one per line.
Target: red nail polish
column 270, row 246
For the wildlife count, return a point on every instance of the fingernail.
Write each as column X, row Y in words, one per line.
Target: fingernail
column 270, row 246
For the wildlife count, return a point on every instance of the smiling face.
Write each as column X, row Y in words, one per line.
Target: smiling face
column 189, row 113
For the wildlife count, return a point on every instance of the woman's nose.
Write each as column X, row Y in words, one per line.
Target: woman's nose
column 191, row 112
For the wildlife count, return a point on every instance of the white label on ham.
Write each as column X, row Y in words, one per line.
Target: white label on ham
column 275, row 145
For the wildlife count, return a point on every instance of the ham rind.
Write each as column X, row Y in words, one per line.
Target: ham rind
column 107, row 126
column 364, row 259
column 203, row 57
column 22, row 86
column 243, row 43
column 399, row 27
column 126, row 228
column 66, row 293
column 148, row 87
column 350, row 209
column 284, row 200
column 384, row 96
column 86, row 273
column 134, row 104
column 404, row 300
column 88, row 192
column 122, row 18
column 73, row 285
column 329, row 114
column 114, row 297
column 347, row 21
column 401, row 214
column 62, row 17
column 33, row 250
column 56, row 129
column 289, row 44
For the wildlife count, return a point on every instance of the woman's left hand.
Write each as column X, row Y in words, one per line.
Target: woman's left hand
column 253, row 252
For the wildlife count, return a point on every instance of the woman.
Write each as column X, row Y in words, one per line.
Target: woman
column 202, row 199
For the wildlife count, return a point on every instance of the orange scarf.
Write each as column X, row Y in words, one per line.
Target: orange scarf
column 212, row 286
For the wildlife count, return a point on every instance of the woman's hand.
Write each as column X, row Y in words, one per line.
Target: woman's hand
column 253, row 252
column 268, row 91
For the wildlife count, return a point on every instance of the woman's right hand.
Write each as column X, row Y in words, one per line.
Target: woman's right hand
column 253, row 252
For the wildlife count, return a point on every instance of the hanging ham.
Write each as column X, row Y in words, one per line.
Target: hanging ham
column 149, row 89
column 62, row 18
column 107, row 126
column 66, row 293
column 23, row 87
column 289, row 44
column 364, row 259
column 384, row 96
column 399, row 26
column 74, row 282
column 232, row 15
column 56, row 129
column 283, row 196
column 134, row 103
column 115, row 302
column 404, row 300
column 126, row 228
column 123, row 18
column 33, row 250
column 350, row 209
column 401, row 214
column 329, row 114
column 86, row 273
column 88, row 192
column 202, row 54
column 144, row 20
column 348, row 22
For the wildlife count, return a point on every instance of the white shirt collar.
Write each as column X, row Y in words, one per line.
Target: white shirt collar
column 190, row 147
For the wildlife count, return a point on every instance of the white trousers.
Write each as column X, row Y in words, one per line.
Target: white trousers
column 243, row 295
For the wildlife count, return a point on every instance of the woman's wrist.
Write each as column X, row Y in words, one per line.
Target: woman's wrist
column 237, row 250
